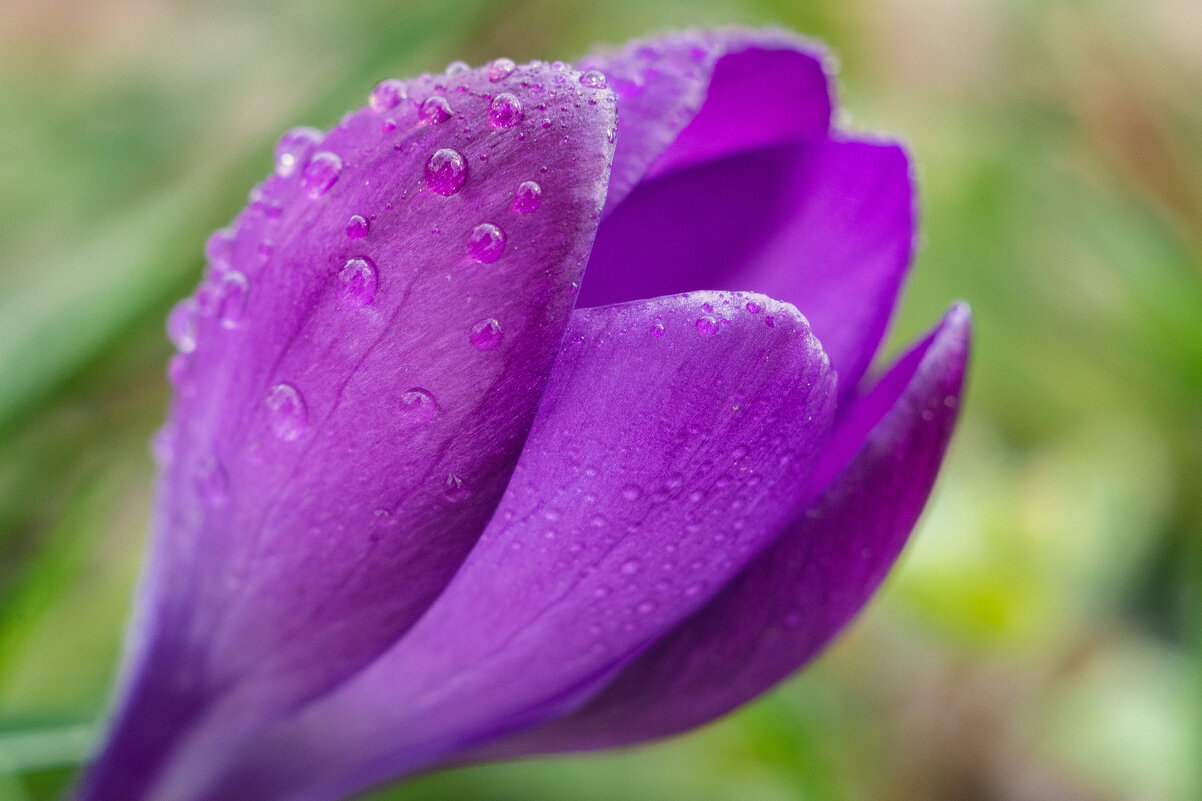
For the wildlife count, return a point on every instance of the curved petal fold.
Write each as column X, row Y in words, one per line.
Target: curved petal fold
column 798, row 593
column 671, row 438
column 357, row 376
column 826, row 225
column 697, row 95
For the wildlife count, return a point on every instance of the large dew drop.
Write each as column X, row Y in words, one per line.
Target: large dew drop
column 289, row 416
column 294, row 149
column 387, row 95
column 359, row 282
column 527, row 197
column 505, row 111
column 486, row 243
column 446, row 171
column 182, row 324
column 486, row 334
column 357, row 226
column 435, row 109
column 418, row 405
column 232, row 297
column 321, row 173
column 501, row 69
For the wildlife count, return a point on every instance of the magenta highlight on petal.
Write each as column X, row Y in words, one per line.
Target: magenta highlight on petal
column 501, row 428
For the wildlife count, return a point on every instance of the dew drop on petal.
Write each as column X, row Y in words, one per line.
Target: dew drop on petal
column 294, row 149
column 321, row 173
column 454, row 490
column 770, row 321
column 706, row 326
column 182, row 324
column 418, row 405
column 212, row 482
column 387, row 95
column 486, row 334
column 486, row 243
column 233, row 295
column 359, row 282
column 435, row 109
column 289, row 416
column 357, row 227
column 657, row 330
column 457, row 68
column 527, row 197
column 594, row 79
column 446, row 171
column 219, row 249
column 754, row 307
column 505, row 111
column 501, row 69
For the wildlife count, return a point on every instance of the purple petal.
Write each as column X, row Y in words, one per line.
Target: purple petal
column 826, row 225
column 342, row 436
column 666, row 454
column 804, row 589
column 698, row 95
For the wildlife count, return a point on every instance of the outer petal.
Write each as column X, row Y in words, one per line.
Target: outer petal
column 348, row 416
column 698, row 95
column 826, row 225
column 662, row 460
column 799, row 593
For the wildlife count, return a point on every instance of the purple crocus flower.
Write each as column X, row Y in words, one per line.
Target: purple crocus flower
column 432, row 491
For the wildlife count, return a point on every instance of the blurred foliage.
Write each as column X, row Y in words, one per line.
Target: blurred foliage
column 1042, row 637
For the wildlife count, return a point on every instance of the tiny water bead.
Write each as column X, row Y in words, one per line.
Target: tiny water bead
column 486, row 243
column 753, row 307
column 446, row 171
column 233, row 295
column 387, row 95
column 594, row 79
column 357, row 226
column 501, row 69
column 418, row 405
column 657, row 330
column 486, row 334
column 707, row 326
column 435, row 109
column 294, row 149
column 321, row 173
column 359, row 282
column 527, row 197
column 212, row 482
column 289, row 415
column 182, row 325
column 505, row 111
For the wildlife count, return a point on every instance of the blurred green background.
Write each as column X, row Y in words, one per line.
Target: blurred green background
column 1041, row 638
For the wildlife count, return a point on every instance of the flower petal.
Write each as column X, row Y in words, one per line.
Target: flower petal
column 670, row 439
column 804, row 589
column 361, row 369
column 825, row 225
column 697, row 95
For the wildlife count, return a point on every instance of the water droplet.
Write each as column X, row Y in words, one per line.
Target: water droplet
column 357, row 226
column 289, row 416
column 294, row 149
column 501, row 69
column 594, row 79
column 505, row 111
column 631, row 566
column 486, row 243
column 359, row 282
column 486, row 334
column 657, row 330
column 383, row 516
column 446, row 171
column 457, row 68
column 387, row 95
column 455, row 490
column 212, row 482
column 321, row 173
column 182, row 324
column 706, row 326
column 219, row 249
column 233, row 295
column 435, row 109
column 753, row 307
column 770, row 321
column 632, row 492
column 418, row 405
column 527, row 197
